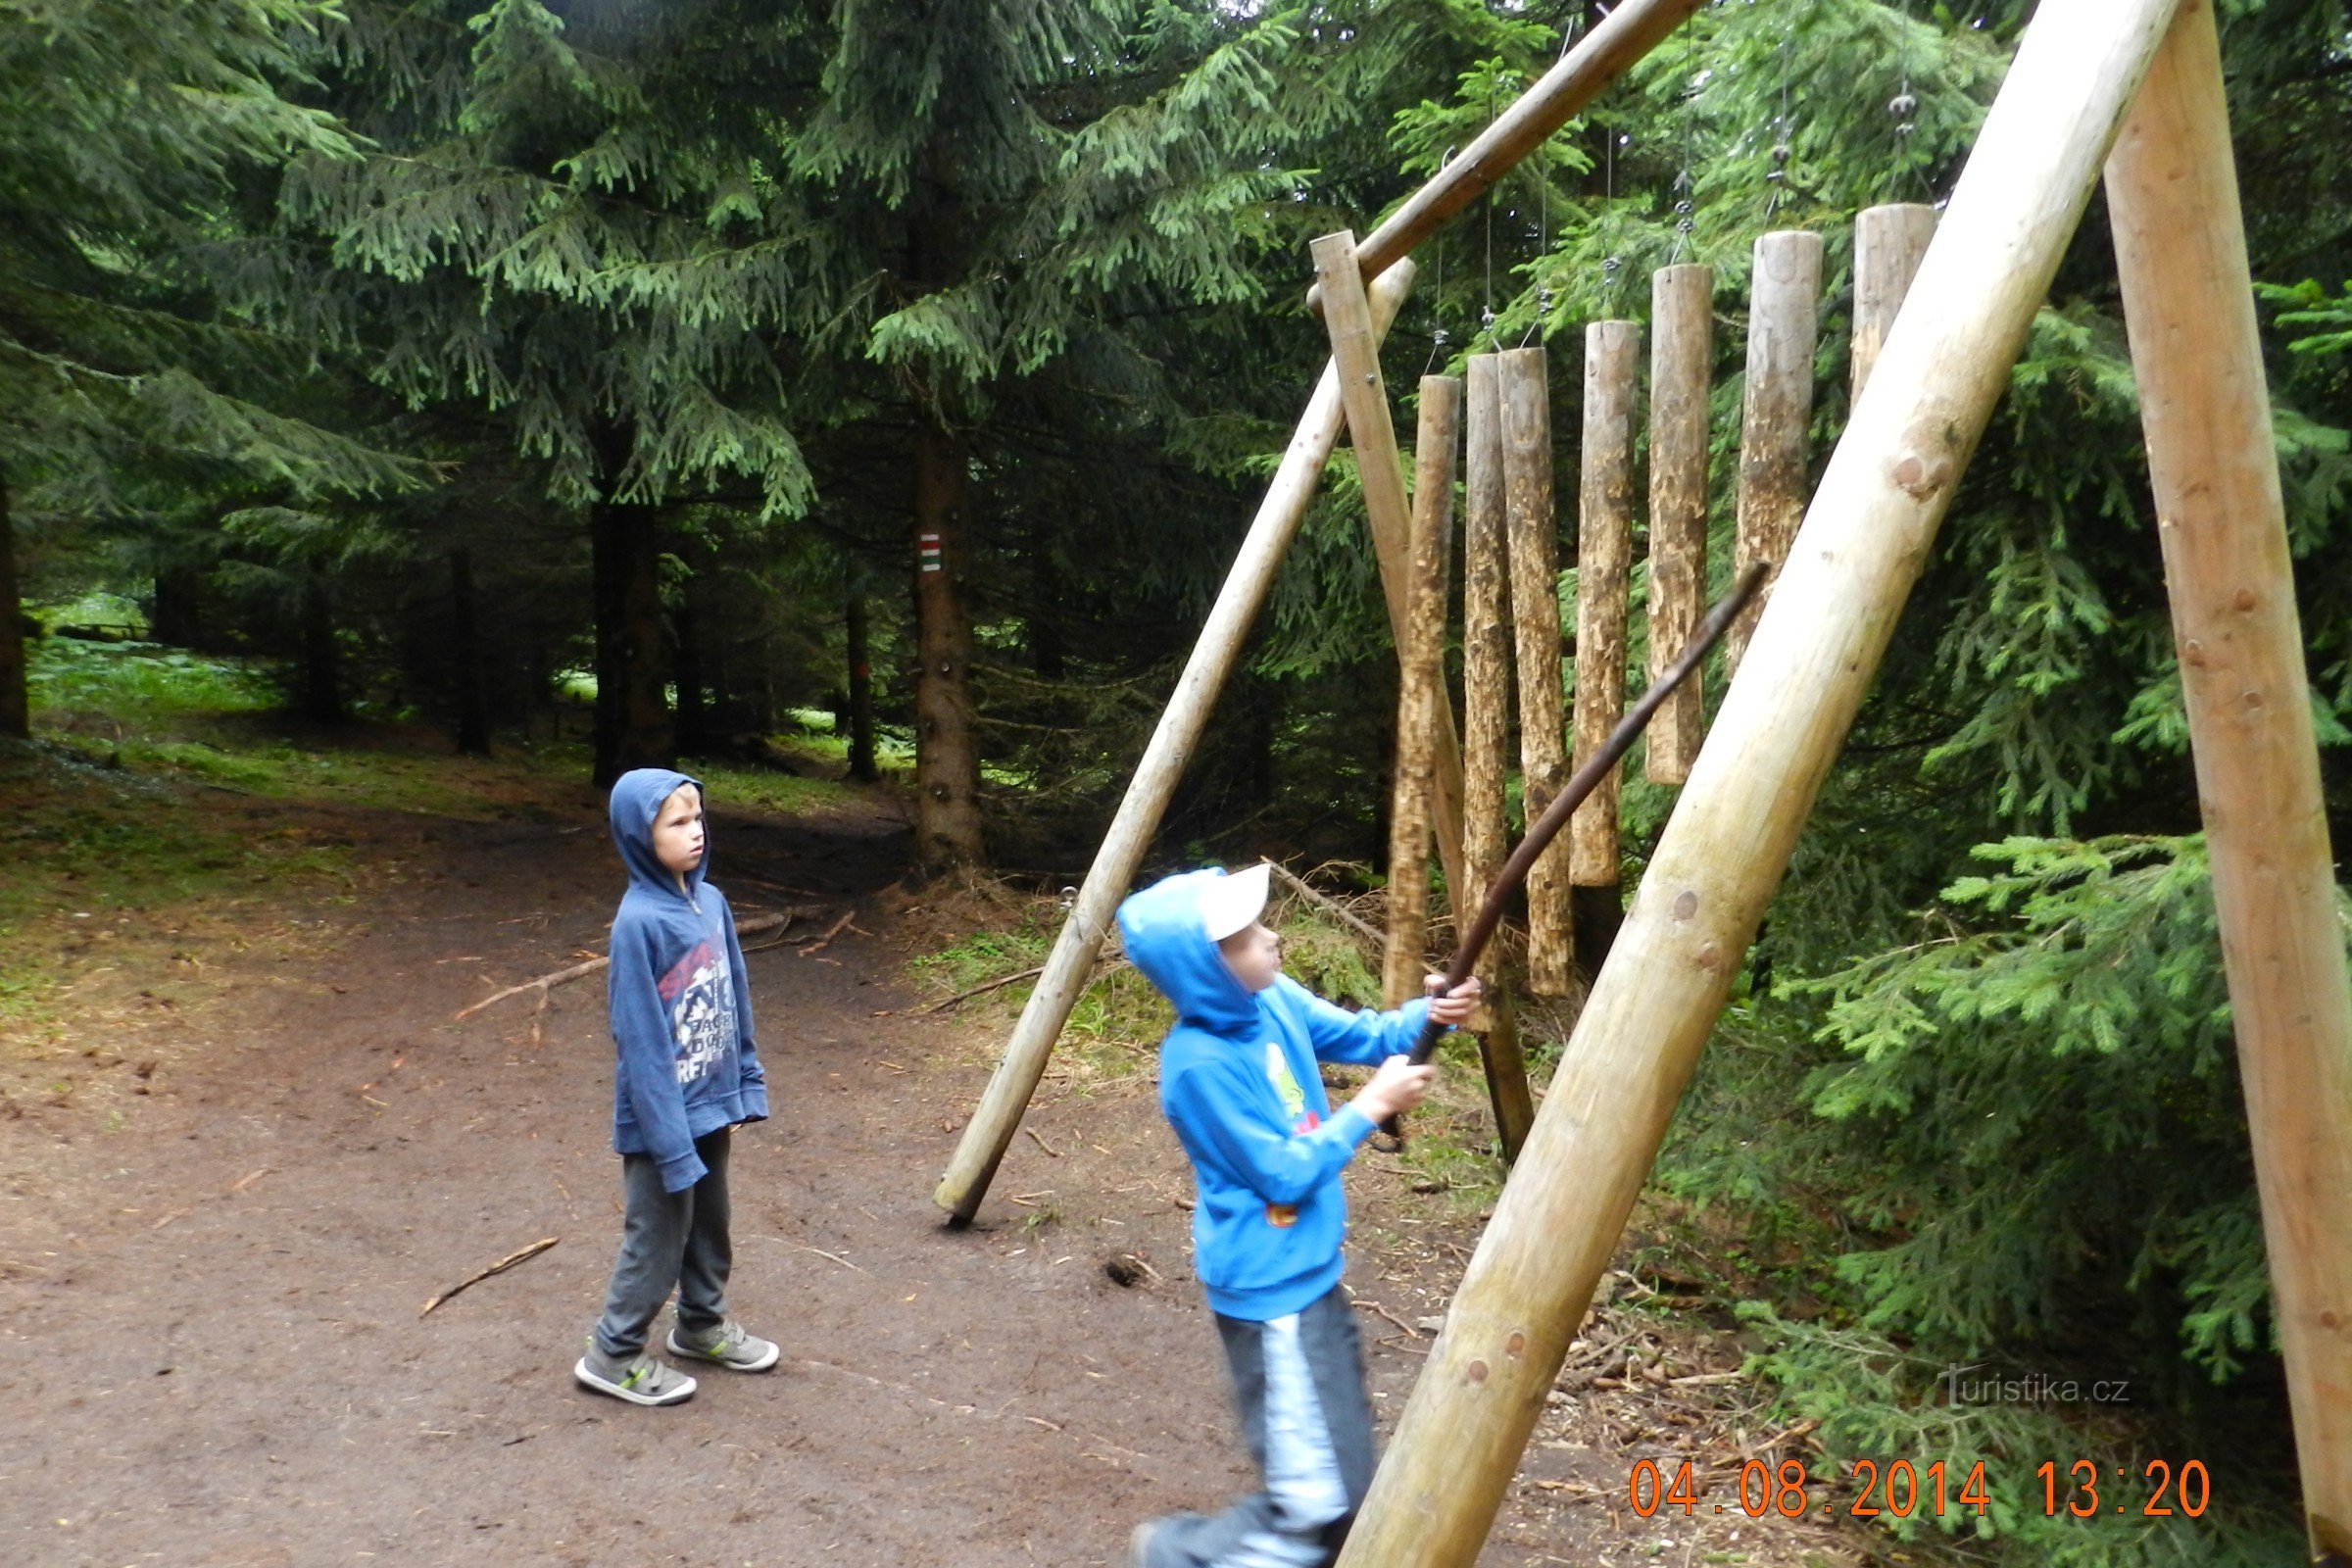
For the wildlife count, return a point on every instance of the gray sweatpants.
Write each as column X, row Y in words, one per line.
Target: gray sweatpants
column 1298, row 1385
column 668, row 1240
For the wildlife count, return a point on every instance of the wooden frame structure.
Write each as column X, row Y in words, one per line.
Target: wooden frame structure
column 2089, row 73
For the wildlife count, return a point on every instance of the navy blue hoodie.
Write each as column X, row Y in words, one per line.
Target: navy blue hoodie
column 1238, row 1082
column 680, row 1006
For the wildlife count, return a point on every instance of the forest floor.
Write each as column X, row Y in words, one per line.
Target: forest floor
column 242, row 1142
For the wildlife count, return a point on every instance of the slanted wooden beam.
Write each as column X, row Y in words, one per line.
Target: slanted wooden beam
column 1379, row 474
column 2188, row 305
column 998, row 1116
column 1726, row 846
column 1630, row 32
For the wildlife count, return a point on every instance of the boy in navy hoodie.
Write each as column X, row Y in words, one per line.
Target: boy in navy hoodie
column 1238, row 1082
column 686, row 1076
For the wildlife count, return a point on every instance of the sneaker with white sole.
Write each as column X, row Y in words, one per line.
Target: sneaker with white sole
column 641, row 1380
column 728, row 1344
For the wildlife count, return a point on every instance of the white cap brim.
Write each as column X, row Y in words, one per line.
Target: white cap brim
column 1229, row 904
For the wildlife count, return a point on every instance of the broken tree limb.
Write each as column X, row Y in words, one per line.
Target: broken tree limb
column 990, row 1131
column 581, row 972
column 521, row 1254
column 1869, row 531
column 2188, row 309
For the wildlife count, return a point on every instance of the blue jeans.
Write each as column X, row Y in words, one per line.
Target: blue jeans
column 668, row 1240
column 1298, row 1387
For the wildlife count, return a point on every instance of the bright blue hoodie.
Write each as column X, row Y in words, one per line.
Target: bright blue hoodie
column 680, row 1006
column 1238, row 1082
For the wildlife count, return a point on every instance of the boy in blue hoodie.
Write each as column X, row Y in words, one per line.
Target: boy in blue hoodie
column 1238, row 1082
column 686, row 1076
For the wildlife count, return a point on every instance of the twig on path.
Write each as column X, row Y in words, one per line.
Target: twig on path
column 831, row 931
column 1040, row 1143
column 1370, row 1305
column 519, row 1255
column 1329, row 904
column 548, row 982
column 803, row 1246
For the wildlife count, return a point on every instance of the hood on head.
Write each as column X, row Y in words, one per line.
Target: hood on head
column 1167, row 938
column 637, row 798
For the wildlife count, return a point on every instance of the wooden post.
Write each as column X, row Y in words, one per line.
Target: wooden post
column 1421, row 687
column 1355, row 350
column 1812, row 656
column 1486, row 732
column 1535, row 625
column 1604, row 564
column 1485, row 637
column 2188, row 305
column 1782, row 327
column 1888, row 242
column 1682, row 359
column 998, row 1116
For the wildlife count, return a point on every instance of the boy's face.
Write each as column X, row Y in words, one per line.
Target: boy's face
column 1255, row 956
column 678, row 831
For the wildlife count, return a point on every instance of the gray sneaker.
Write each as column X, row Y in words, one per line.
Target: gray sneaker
column 640, row 1381
column 1138, row 1543
column 729, row 1346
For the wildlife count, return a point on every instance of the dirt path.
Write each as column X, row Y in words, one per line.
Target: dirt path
column 210, row 1341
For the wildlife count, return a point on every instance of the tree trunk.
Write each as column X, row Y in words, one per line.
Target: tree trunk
column 177, row 617
column 321, row 680
column 860, row 654
column 947, row 758
column 16, row 703
column 693, row 674
column 633, row 711
column 473, row 717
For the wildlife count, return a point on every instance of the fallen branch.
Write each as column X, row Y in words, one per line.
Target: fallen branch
column 519, row 1255
column 1004, row 980
column 831, row 931
column 1328, row 905
column 548, row 982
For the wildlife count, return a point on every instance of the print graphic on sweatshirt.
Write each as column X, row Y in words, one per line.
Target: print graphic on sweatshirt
column 1293, row 1106
column 699, row 994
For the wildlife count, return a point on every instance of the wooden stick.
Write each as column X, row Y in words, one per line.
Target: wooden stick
column 1604, row 564
column 990, row 1131
column 1420, row 688
column 1870, row 529
column 1605, row 53
column 1536, row 627
column 521, row 1254
column 1355, row 350
column 2188, row 305
column 1014, row 978
column 1485, row 636
column 1776, row 406
column 1888, row 242
column 1682, row 359
column 581, row 972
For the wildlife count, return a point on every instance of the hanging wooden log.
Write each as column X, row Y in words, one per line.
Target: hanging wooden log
column 1486, row 733
column 1379, row 474
column 1485, row 636
column 1682, row 357
column 1604, row 564
column 1888, row 242
column 1536, row 628
column 998, row 1116
column 1783, row 329
column 1872, row 524
column 2188, row 306
column 1421, row 688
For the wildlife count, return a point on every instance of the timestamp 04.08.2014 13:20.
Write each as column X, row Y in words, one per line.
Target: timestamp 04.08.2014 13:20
column 1897, row 1486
